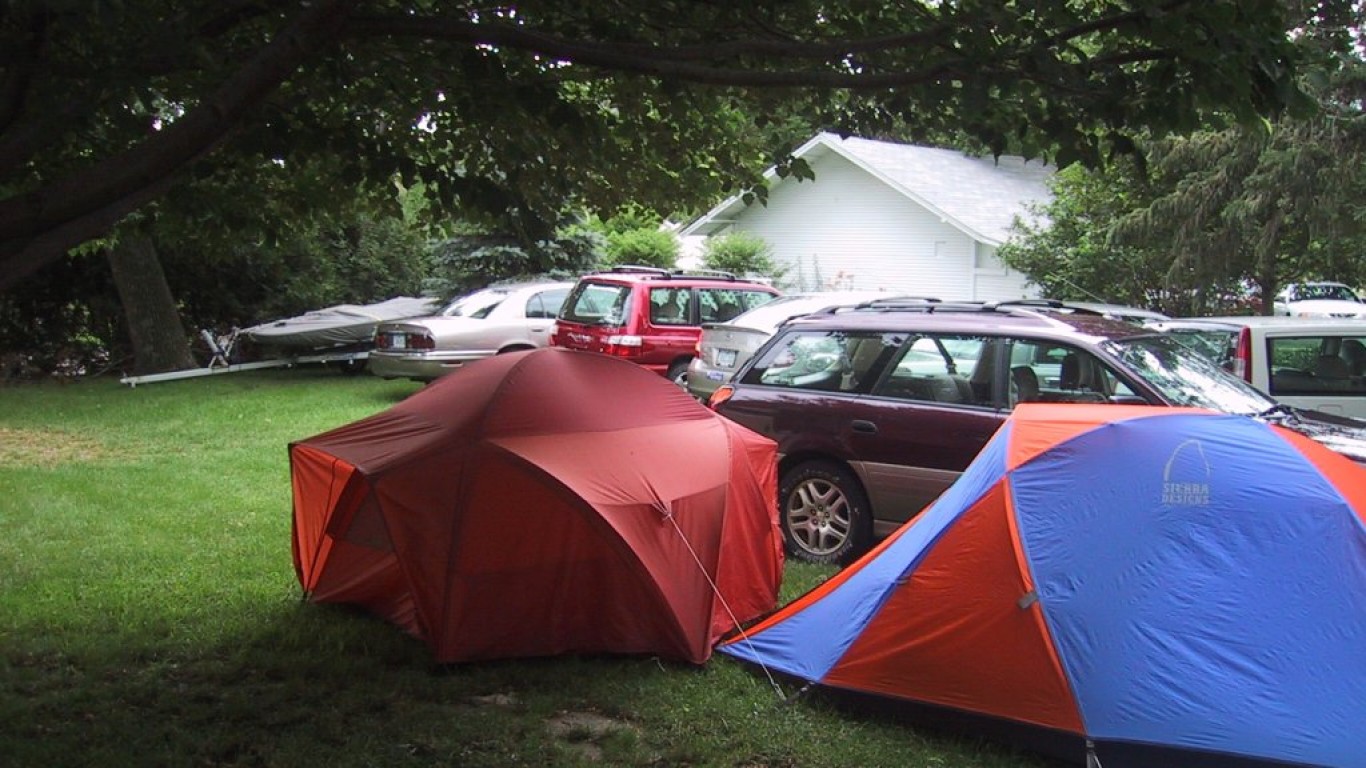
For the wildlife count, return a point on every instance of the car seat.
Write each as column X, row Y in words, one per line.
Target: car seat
column 1025, row 384
column 983, row 376
column 861, row 361
column 727, row 310
column 1354, row 352
column 1069, row 373
column 1331, row 367
column 668, row 314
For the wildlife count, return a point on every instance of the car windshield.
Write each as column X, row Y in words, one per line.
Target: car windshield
column 476, row 305
column 1214, row 343
column 1186, row 377
column 1326, row 291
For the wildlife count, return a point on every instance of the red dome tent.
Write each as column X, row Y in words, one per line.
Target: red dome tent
column 540, row 503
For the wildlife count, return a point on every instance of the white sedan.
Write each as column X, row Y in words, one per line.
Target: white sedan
column 500, row 318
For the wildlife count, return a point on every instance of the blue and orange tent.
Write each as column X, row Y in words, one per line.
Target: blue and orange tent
column 1144, row 586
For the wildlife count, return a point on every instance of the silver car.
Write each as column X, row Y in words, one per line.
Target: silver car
column 500, row 318
column 724, row 346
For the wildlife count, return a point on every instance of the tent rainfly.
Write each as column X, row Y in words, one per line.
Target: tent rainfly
column 541, row 503
column 1121, row 585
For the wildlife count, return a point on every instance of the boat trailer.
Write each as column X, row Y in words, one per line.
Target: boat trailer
column 223, row 347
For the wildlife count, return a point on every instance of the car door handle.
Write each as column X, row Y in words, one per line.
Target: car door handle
column 863, row 426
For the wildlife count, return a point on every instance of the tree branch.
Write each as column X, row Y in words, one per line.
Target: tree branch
column 61, row 215
column 679, row 62
column 673, row 63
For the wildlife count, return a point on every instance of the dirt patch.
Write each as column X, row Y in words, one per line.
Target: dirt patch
column 45, row 448
column 581, row 732
column 505, row 700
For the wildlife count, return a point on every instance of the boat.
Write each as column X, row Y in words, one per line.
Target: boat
column 342, row 335
column 343, row 325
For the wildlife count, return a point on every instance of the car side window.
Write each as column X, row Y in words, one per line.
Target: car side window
column 826, row 361
column 934, row 369
column 1056, row 373
column 1305, row 365
column 750, row 299
column 546, row 304
column 669, row 306
column 717, row 305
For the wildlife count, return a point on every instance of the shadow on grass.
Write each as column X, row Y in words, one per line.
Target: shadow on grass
column 322, row 685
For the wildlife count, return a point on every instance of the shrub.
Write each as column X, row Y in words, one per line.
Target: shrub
column 741, row 253
column 650, row 247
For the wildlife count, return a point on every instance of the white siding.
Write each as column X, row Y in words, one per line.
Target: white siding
column 849, row 230
column 995, row 282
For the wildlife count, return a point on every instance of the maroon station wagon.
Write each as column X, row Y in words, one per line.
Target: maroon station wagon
column 877, row 409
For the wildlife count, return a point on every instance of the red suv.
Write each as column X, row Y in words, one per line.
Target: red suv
column 876, row 410
column 652, row 316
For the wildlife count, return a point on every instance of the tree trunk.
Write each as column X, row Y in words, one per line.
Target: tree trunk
column 154, row 326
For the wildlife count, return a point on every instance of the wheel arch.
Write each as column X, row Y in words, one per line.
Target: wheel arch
column 791, row 460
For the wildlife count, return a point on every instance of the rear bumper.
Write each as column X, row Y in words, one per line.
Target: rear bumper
column 420, row 367
column 703, row 380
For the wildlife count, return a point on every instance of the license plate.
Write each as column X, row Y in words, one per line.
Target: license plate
column 398, row 340
column 725, row 358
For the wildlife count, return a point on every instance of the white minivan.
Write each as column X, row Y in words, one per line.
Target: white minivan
column 1313, row 363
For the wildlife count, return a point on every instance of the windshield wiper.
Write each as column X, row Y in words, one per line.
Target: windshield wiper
column 1279, row 411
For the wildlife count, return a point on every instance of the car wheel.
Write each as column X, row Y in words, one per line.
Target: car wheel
column 824, row 513
column 678, row 374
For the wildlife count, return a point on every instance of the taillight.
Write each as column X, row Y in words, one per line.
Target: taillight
column 421, row 341
column 1242, row 355
column 721, row 395
column 623, row 345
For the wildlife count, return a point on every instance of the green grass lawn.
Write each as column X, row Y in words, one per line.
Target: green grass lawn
column 150, row 616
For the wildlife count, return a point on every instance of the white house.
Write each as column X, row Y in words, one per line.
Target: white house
column 880, row 215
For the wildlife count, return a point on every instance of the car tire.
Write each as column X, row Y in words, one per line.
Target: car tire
column 824, row 513
column 678, row 374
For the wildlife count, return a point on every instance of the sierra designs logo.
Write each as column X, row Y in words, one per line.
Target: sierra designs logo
column 1185, row 477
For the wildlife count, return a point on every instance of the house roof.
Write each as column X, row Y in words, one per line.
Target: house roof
column 981, row 196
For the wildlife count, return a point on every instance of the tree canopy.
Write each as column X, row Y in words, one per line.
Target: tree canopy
column 514, row 110
column 1220, row 212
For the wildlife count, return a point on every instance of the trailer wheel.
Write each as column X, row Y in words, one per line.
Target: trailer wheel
column 353, row 366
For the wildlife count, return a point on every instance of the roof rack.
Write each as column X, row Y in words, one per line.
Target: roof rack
column 1050, row 304
column 665, row 274
column 1038, row 308
column 1043, row 309
column 717, row 273
column 640, row 269
column 891, row 303
column 1026, row 303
